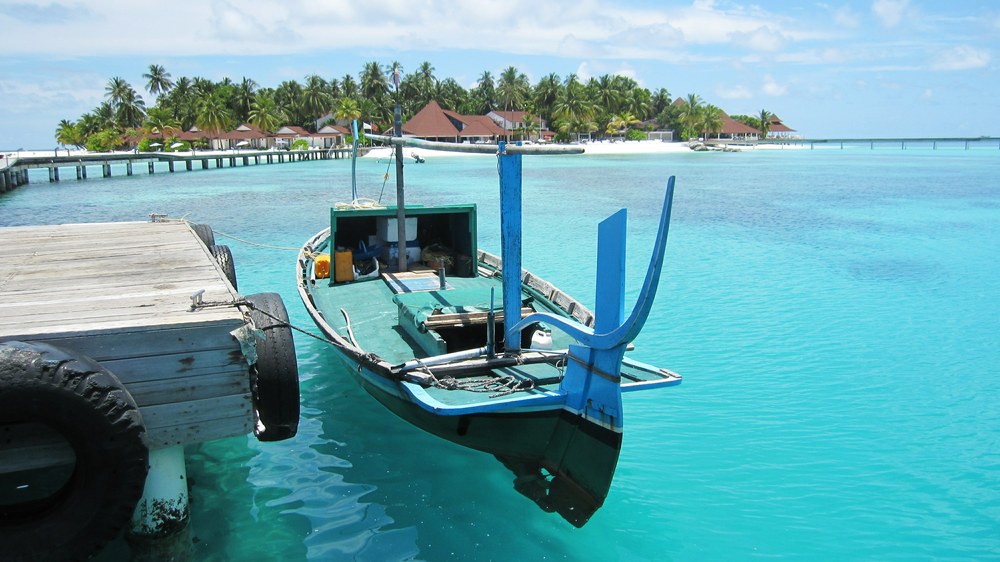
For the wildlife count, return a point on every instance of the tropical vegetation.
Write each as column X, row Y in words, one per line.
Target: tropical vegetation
column 608, row 106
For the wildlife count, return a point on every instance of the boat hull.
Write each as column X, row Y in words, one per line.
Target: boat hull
column 560, row 460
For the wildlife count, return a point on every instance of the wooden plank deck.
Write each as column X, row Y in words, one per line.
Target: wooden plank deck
column 121, row 294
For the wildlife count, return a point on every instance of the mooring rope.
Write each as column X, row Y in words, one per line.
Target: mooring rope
column 498, row 385
column 280, row 323
column 255, row 243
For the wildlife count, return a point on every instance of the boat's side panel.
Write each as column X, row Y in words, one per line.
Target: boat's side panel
column 561, row 461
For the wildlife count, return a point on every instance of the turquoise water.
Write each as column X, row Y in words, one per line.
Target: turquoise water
column 834, row 314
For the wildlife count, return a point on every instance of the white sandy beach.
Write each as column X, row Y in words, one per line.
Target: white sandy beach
column 596, row 147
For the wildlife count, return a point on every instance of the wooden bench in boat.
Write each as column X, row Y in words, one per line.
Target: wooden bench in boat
column 459, row 319
column 430, row 318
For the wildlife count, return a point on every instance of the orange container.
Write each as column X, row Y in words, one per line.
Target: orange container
column 322, row 266
column 343, row 266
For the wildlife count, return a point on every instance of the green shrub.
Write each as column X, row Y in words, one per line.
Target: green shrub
column 104, row 141
column 300, row 144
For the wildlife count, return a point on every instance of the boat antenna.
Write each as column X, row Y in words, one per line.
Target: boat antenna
column 354, row 161
column 400, row 203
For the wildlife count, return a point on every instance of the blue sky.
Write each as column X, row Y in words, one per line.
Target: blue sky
column 852, row 68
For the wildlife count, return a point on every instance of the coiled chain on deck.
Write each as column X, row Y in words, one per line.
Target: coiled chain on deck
column 498, row 385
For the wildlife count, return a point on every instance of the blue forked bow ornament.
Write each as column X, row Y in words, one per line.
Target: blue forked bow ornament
column 592, row 380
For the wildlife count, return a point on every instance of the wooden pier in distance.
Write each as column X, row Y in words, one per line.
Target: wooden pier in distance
column 14, row 168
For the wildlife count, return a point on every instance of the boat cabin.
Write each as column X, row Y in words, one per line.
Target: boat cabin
column 441, row 302
column 436, row 237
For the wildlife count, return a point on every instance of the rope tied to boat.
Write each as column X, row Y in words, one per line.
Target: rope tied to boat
column 279, row 323
column 498, row 385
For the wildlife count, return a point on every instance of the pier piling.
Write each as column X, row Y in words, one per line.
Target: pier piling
column 163, row 508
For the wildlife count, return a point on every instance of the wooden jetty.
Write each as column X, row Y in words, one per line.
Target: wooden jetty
column 14, row 169
column 901, row 143
column 152, row 303
column 120, row 293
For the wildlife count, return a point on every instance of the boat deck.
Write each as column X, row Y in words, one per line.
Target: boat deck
column 372, row 312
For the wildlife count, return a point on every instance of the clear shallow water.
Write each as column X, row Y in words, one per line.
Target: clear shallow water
column 834, row 314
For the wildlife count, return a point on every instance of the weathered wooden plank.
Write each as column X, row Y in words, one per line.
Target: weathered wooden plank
column 149, row 343
column 12, row 250
column 184, row 434
column 190, row 388
column 169, row 309
column 135, row 370
column 13, row 289
column 115, row 265
column 195, row 412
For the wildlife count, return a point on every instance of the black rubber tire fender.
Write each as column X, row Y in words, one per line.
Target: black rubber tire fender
column 205, row 233
column 224, row 256
column 91, row 409
column 274, row 378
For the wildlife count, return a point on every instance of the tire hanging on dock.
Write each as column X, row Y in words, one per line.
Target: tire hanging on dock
column 224, row 256
column 205, row 233
column 274, row 378
column 88, row 407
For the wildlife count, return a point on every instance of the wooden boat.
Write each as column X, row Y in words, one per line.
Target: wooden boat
column 420, row 316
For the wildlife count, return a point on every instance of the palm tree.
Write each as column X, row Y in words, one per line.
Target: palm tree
column 426, row 74
column 347, row 110
column 245, row 95
column 288, row 96
column 660, row 100
column 115, row 90
column 374, row 85
column 639, row 102
column 157, row 80
column 451, row 95
column 765, row 122
column 546, row 93
column 131, row 109
column 620, row 123
column 349, row 87
column 574, row 110
column 690, row 114
column 68, row 133
column 315, row 100
column 265, row 114
column 512, row 89
column 162, row 121
column 711, row 120
column 608, row 94
column 213, row 116
column 485, row 94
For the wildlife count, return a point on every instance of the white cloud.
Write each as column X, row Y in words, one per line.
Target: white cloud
column 763, row 38
column 772, row 88
column 846, row 17
column 738, row 92
column 889, row 12
column 568, row 28
column 831, row 55
column 962, row 57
